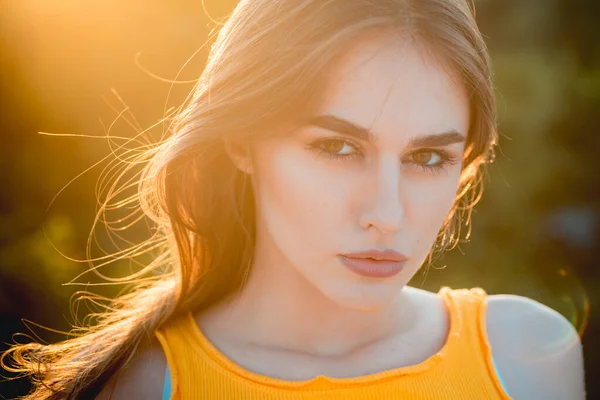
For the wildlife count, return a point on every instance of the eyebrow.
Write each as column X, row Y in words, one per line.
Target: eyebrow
column 348, row 128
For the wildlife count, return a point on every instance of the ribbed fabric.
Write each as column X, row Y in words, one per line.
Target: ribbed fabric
column 462, row 370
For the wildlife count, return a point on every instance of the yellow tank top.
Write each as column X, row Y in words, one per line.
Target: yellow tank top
column 463, row 368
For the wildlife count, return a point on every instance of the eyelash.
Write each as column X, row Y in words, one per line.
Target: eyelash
column 445, row 157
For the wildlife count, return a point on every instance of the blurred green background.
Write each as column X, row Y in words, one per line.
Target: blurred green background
column 535, row 233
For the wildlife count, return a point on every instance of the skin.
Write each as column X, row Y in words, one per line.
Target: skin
column 387, row 193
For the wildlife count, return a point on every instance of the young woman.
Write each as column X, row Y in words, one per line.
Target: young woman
column 330, row 148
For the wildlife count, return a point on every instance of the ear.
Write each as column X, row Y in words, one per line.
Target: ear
column 238, row 152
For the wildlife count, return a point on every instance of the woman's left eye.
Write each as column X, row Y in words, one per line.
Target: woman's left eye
column 431, row 160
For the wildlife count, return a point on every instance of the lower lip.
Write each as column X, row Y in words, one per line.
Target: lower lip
column 373, row 268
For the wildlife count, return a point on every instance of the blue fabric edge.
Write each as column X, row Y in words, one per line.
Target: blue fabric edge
column 499, row 376
column 167, row 385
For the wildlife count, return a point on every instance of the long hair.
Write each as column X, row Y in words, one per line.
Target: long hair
column 266, row 68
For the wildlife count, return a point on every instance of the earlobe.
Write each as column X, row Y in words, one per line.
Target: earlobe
column 239, row 154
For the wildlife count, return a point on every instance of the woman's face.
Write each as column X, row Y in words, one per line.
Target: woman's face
column 376, row 168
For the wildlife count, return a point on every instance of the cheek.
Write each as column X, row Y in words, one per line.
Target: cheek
column 299, row 201
column 430, row 202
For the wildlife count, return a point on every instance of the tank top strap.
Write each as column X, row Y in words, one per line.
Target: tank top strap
column 467, row 309
column 467, row 303
column 468, row 306
column 176, row 340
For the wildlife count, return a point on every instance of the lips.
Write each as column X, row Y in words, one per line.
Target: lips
column 375, row 263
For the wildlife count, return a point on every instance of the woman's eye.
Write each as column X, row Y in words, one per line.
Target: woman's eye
column 335, row 149
column 426, row 157
column 432, row 160
column 337, row 146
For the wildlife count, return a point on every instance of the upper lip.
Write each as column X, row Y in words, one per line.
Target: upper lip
column 383, row 255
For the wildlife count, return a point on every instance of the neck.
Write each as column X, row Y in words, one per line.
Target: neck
column 279, row 309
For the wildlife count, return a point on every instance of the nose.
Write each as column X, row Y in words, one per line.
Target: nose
column 384, row 207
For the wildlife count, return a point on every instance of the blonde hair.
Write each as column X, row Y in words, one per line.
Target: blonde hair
column 266, row 67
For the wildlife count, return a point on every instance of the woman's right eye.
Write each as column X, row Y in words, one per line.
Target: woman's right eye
column 338, row 146
column 335, row 149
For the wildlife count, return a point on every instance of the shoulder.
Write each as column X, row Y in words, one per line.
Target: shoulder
column 537, row 351
column 141, row 378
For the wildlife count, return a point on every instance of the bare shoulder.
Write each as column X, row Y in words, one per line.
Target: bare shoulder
column 537, row 351
column 141, row 378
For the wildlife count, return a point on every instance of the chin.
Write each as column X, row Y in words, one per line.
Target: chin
column 373, row 298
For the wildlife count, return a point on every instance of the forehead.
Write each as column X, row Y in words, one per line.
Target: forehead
column 395, row 87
